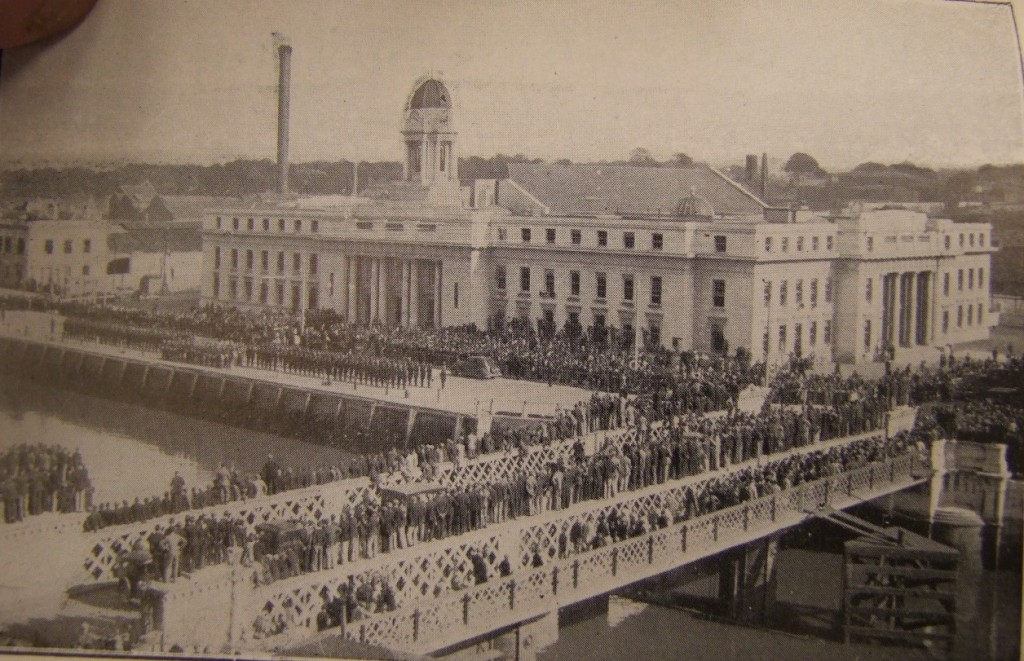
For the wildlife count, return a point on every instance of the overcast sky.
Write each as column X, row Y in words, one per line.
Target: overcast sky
column 930, row 81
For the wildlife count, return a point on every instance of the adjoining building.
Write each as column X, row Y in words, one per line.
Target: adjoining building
column 694, row 259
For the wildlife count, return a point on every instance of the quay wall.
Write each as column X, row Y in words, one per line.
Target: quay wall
column 319, row 415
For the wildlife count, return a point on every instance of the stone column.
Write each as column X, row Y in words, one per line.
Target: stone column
column 374, row 288
column 438, row 291
column 414, row 294
column 405, row 321
column 352, row 301
column 384, row 290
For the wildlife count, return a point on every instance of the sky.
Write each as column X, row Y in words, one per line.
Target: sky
column 847, row 81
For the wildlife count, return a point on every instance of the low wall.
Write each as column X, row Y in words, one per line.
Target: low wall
column 322, row 415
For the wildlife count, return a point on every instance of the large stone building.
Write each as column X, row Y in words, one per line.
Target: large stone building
column 691, row 256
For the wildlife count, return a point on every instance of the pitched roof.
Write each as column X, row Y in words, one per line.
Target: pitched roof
column 629, row 189
column 183, row 237
column 191, row 207
column 140, row 194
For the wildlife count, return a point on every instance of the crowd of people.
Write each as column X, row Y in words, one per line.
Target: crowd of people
column 37, row 478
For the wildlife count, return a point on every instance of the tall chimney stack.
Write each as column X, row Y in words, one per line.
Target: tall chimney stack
column 764, row 174
column 751, row 167
column 284, row 85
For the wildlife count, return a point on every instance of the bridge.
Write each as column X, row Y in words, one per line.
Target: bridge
column 430, row 609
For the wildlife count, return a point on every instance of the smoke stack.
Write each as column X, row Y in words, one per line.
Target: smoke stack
column 355, row 178
column 751, row 167
column 764, row 174
column 284, row 85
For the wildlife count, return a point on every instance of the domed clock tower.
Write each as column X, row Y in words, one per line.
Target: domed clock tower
column 429, row 134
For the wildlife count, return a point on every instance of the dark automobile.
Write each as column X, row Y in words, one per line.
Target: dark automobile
column 477, row 367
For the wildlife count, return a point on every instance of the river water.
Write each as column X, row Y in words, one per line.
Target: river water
column 133, row 451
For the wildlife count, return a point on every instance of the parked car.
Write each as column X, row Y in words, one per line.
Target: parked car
column 477, row 367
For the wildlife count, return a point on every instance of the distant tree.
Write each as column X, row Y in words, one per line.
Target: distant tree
column 681, row 160
column 563, row 161
column 869, row 166
column 803, row 164
column 642, row 156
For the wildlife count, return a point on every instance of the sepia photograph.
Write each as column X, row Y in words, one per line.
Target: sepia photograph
column 529, row 331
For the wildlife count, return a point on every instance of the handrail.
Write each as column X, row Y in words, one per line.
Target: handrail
column 428, row 625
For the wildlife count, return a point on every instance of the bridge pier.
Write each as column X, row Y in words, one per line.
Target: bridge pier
column 747, row 580
column 936, row 485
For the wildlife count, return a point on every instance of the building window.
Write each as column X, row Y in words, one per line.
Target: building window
column 264, row 293
column 971, row 240
column 68, row 246
column 524, row 279
column 249, row 225
column 981, row 240
column 782, row 337
column 298, row 226
column 234, row 258
column 248, row 260
column 312, row 264
column 266, row 224
column 948, row 242
column 960, row 316
column 799, row 244
column 767, row 293
column 945, row 283
column 297, row 262
column 21, row 246
column 656, row 290
column 867, row 290
column 218, row 222
column 783, row 292
column 960, row 280
column 785, row 244
column 867, row 333
column 549, row 283
column 314, row 226
column 627, row 287
column 961, row 240
column 798, row 338
column 828, row 290
column 720, row 243
column 812, row 334
column 945, row 321
column 970, row 315
column 216, row 284
column 718, row 344
column 718, row 293
column 280, row 263
column 87, row 246
column 602, row 285
column 981, row 278
column 828, row 242
column 657, row 241
column 502, row 234
column 814, row 292
column 602, row 238
column 85, row 269
column 654, row 335
column 574, row 283
column 798, row 293
column 455, row 295
column 549, row 234
column 499, row 277
column 871, row 243
column 525, row 234
column 766, row 342
column 216, row 257
column 815, row 243
column 233, row 288
column 970, row 278
column 234, row 226
column 767, row 245
column 248, row 289
column 628, row 240
column 280, row 228
column 265, row 261
column 279, row 294
column 979, row 313
column 826, row 332
column 575, row 237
